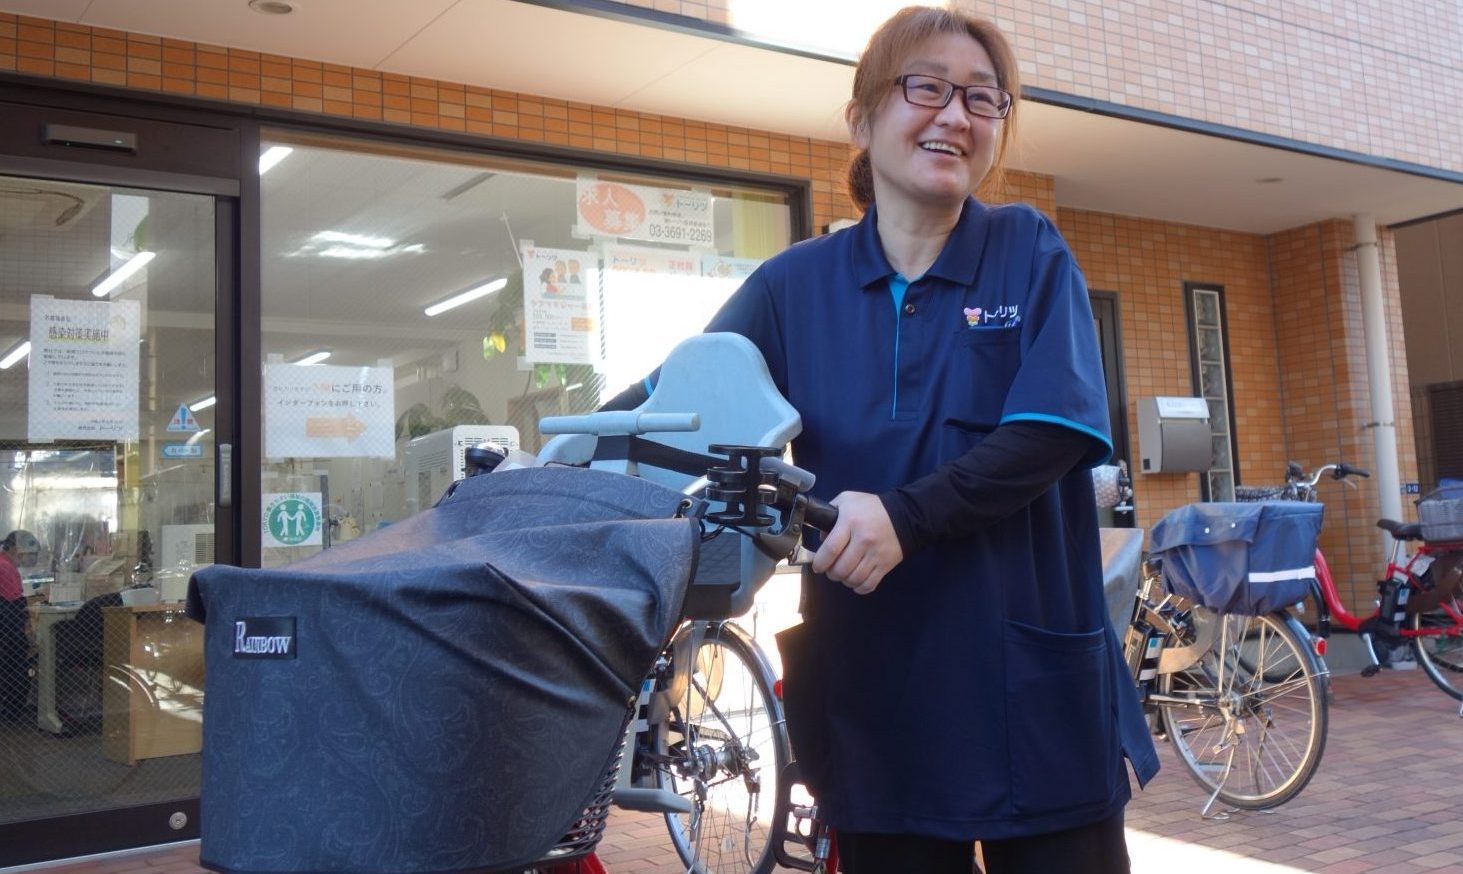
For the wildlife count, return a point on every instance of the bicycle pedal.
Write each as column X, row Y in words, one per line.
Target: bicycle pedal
column 1370, row 670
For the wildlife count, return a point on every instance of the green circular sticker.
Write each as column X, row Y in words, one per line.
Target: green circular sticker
column 292, row 519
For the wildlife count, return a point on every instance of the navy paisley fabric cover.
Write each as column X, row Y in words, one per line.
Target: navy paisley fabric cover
column 459, row 680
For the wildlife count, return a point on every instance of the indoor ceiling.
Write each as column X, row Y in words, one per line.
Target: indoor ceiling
column 1099, row 162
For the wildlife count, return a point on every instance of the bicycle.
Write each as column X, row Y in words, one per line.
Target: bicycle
column 1419, row 600
column 1239, row 695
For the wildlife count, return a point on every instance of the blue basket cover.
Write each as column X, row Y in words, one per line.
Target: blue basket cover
column 444, row 694
column 1245, row 558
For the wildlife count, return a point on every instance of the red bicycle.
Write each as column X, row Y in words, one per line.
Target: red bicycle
column 1419, row 598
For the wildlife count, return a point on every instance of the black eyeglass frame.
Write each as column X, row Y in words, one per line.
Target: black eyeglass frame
column 903, row 83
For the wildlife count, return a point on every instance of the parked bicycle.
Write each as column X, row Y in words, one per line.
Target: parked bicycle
column 1226, row 674
column 1420, row 594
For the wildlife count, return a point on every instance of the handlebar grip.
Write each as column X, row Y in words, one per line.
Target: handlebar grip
column 1347, row 470
column 818, row 513
column 619, row 422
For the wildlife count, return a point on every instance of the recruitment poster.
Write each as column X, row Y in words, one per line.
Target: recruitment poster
column 83, row 369
column 323, row 411
column 560, row 305
column 638, row 212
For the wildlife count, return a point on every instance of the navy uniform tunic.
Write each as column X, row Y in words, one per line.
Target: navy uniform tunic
column 978, row 692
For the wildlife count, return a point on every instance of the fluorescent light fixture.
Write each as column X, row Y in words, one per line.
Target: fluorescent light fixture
column 122, row 274
column 272, row 155
column 203, row 404
column 354, row 253
column 313, row 358
column 468, row 296
column 20, row 351
column 360, row 240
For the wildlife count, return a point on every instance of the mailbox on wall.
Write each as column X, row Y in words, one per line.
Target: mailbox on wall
column 1173, row 435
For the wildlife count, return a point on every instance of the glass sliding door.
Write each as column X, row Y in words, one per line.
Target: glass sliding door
column 107, row 381
column 415, row 302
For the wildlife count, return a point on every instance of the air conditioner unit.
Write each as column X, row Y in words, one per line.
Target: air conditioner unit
column 185, row 547
column 43, row 205
column 437, row 460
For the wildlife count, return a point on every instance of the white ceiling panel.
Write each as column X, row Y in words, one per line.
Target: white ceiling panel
column 750, row 87
column 547, row 52
column 353, row 32
column 56, row 10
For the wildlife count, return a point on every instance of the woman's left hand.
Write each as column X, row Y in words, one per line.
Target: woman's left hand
column 862, row 547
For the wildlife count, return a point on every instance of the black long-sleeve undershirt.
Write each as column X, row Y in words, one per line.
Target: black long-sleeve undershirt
column 1013, row 466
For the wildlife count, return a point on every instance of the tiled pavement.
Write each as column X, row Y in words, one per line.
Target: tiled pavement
column 1388, row 799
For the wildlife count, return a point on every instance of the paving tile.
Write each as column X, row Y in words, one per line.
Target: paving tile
column 1384, row 801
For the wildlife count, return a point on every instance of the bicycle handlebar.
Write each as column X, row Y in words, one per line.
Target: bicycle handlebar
column 616, row 422
column 1338, row 471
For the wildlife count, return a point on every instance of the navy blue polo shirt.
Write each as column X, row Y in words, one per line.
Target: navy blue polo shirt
column 978, row 692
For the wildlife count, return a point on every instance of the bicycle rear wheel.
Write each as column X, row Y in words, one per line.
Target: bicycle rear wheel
column 722, row 745
column 1441, row 655
column 1249, row 718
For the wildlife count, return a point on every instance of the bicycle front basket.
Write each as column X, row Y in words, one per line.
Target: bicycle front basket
column 1239, row 558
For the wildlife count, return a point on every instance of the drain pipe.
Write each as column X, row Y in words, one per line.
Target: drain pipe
column 1379, row 370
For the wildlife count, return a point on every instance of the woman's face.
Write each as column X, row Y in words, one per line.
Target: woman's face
column 924, row 157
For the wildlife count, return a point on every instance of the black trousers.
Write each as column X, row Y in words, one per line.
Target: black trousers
column 14, row 667
column 1100, row 848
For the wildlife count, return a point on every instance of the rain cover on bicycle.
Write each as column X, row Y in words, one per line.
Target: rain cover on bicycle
column 1240, row 558
column 445, row 694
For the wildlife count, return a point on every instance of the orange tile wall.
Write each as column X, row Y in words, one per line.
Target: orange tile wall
column 1379, row 77
column 1318, row 402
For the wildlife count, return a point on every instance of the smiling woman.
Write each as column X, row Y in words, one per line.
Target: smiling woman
column 460, row 299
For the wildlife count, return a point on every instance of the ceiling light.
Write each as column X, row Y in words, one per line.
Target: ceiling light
column 203, row 404
column 353, row 253
column 272, row 7
column 121, row 274
column 272, row 155
column 21, row 350
column 471, row 294
column 313, row 358
column 354, row 240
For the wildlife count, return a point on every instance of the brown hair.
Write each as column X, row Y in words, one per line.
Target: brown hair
column 889, row 47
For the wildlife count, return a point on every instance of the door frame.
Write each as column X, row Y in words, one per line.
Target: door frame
column 209, row 154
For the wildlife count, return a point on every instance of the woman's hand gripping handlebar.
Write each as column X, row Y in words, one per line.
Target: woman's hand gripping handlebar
column 859, row 545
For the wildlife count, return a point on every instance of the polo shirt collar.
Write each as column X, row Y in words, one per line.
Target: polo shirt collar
column 957, row 262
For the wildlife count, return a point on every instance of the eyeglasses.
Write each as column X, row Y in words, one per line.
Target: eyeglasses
column 986, row 101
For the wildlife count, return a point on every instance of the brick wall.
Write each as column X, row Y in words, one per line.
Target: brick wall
column 1380, row 77
column 1322, row 360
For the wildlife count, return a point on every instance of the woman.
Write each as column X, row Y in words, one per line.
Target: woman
column 955, row 677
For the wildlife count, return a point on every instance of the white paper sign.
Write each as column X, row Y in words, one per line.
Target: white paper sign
column 637, row 212
column 292, row 519
column 653, row 299
column 319, row 411
column 83, row 369
column 560, row 305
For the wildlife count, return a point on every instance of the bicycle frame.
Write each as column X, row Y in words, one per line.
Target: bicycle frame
column 1335, row 611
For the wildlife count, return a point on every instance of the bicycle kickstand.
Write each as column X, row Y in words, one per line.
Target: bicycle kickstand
column 1223, row 815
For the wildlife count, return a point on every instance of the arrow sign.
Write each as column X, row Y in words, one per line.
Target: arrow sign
column 348, row 427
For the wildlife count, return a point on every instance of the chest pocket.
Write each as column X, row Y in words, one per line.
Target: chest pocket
column 983, row 366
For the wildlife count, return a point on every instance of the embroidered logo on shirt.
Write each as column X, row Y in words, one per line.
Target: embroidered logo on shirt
column 1003, row 316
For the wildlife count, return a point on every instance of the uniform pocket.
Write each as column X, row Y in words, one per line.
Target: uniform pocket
column 984, row 365
column 1064, row 751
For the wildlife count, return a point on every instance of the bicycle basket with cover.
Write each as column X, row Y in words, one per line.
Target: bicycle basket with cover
column 1239, row 558
column 371, row 709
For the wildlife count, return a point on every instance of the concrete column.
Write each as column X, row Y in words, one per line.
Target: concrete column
column 1383, row 424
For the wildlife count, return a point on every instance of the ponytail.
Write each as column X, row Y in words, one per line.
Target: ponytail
column 861, row 181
